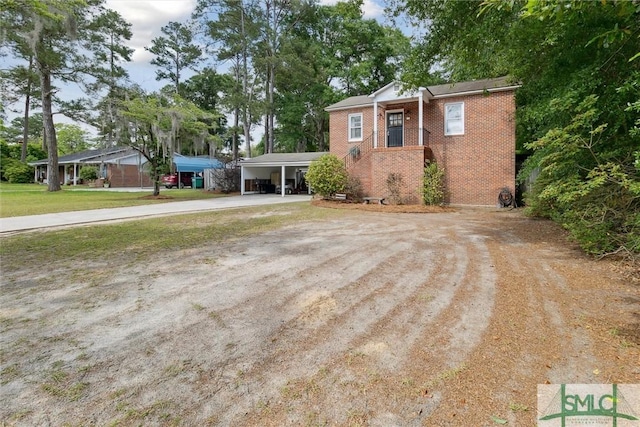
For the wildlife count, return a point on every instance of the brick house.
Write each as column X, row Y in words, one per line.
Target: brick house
column 121, row 166
column 468, row 128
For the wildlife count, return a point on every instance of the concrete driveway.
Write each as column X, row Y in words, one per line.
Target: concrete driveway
column 62, row 219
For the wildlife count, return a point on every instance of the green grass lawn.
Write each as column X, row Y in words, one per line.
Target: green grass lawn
column 140, row 240
column 34, row 199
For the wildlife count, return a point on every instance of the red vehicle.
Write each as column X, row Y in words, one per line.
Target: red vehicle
column 170, row 180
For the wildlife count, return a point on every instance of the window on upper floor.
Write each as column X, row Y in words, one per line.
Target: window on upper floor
column 454, row 118
column 355, row 127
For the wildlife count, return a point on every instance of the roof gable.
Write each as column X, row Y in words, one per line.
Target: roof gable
column 393, row 92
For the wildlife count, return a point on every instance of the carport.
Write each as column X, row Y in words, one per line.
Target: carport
column 281, row 173
column 195, row 165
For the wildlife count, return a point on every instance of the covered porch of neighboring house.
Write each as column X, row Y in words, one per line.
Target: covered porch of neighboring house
column 279, row 173
column 117, row 167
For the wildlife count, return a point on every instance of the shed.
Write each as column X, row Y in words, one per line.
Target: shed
column 281, row 173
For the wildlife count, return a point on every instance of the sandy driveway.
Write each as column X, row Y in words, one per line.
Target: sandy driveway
column 372, row 319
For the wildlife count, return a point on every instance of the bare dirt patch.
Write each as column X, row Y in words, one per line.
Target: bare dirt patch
column 375, row 318
column 158, row 197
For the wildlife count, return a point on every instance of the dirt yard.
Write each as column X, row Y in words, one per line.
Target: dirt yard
column 373, row 319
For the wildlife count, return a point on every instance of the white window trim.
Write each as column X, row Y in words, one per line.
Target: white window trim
column 349, row 127
column 446, row 119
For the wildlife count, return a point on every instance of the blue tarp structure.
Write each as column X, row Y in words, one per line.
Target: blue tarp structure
column 195, row 164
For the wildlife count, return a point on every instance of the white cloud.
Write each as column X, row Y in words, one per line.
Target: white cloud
column 371, row 9
column 147, row 17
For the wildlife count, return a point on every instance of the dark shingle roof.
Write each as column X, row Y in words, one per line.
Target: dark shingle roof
column 472, row 86
column 83, row 156
column 352, row 101
column 448, row 89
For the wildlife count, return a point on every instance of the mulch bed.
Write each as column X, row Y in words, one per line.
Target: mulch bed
column 375, row 207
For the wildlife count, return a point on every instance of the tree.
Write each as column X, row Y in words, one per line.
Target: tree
column 331, row 52
column 60, row 35
column 208, row 90
column 175, row 52
column 112, row 50
column 233, row 31
column 14, row 133
column 21, row 81
column 71, row 138
column 275, row 19
column 151, row 125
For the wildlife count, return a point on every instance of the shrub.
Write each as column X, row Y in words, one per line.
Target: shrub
column 226, row 179
column 89, row 173
column 18, row 172
column 327, row 175
column 394, row 185
column 354, row 189
column 432, row 184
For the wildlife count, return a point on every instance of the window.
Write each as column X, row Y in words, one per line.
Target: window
column 355, row 127
column 454, row 118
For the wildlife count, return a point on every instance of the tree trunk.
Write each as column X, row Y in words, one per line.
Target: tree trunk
column 267, row 132
column 27, row 105
column 234, row 135
column 53, row 177
column 270, row 112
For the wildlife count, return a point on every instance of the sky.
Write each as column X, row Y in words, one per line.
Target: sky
column 147, row 17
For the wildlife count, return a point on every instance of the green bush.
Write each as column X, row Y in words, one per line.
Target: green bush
column 432, row 184
column 598, row 202
column 327, row 175
column 17, row 172
column 89, row 173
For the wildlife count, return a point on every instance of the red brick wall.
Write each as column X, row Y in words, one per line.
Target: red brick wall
column 482, row 161
column 127, row 176
column 477, row 164
column 408, row 161
column 339, row 129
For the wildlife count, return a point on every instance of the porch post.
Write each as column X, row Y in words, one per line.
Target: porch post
column 282, row 180
column 75, row 174
column 420, row 118
column 375, row 124
column 242, row 180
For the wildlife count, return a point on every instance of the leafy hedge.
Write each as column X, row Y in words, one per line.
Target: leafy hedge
column 589, row 181
column 327, row 175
